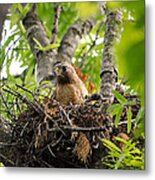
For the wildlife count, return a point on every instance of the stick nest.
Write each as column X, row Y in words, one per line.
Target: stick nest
column 49, row 134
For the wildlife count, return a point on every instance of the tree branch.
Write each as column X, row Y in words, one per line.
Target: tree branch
column 108, row 72
column 77, row 129
column 36, row 32
column 57, row 10
column 72, row 38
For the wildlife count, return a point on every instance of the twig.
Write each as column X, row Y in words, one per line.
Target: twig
column 52, row 144
column 23, row 98
column 77, row 129
column 48, row 116
column 57, row 11
column 17, row 105
column 45, row 163
column 21, row 87
column 56, row 142
column 125, row 122
column 30, row 92
column 25, row 126
column 6, row 159
column 85, row 129
column 51, row 152
column 66, row 115
column 7, row 144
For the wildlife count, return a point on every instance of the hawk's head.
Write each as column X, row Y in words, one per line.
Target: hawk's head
column 65, row 73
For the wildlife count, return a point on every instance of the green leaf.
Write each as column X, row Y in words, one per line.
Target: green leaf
column 26, row 9
column 114, row 108
column 129, row 103
column 22, row 27
column 48, row 47
column 108, row 164
column 135, row 151
column 119, row 162
column 129, row 117
column 119, row 97
column 140, row 115
column 137, row 163
column 111, row 145
column 118, row 115
column 114, row 154
column 39, row 46
column 121, row 140
column 20, row 7
column 51, row 46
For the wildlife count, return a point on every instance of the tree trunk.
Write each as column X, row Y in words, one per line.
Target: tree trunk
column 68, row 45
column 108, row 71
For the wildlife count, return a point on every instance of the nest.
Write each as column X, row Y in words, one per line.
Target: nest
column 49, row 134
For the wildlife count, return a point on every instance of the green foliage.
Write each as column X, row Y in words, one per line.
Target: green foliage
column 129, row 157
column 139, row 128
column 130, row 51
column 15, row 49
column 117, row 109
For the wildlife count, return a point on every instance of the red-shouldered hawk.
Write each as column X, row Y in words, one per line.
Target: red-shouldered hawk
column 69, row 89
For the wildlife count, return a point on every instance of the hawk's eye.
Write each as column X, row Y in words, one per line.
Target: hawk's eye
column 64, row 68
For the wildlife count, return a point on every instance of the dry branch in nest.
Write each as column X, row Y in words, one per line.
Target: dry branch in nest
column 49, row 134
